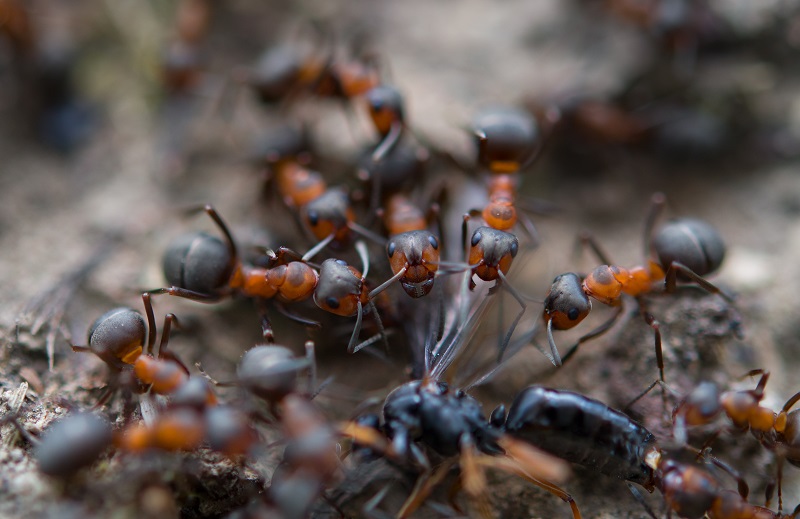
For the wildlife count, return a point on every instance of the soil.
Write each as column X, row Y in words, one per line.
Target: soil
column 83, row 232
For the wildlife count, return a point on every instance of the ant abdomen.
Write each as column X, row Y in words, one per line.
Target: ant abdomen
column 73, row 443
column 691, row 242
column 119, row 333
column 583, row 431
column 507, row 138
column 198, row 262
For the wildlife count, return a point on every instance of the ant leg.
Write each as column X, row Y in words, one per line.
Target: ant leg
column 653, row 323
column 313, row 251
column 381, row 330
column 370, row 508
column 511, row 290
column 473, row 477
column 312, row 367
column 151, row 322
column 188, row 294
column 266, row 325
column 587, row 239
column 389, row 141
column 356, row 329
column 519, row 468
column 791, row 402
column 657, row 203
column 671, row 281
column 366, row 233
column 780, row 484
column 705, row 454
column 600, row 330
column 234, row 255
column 162, row 347
column 423, row 488
column 645, row 392
column 297, row 318
column 640, row 498
column 530, row 229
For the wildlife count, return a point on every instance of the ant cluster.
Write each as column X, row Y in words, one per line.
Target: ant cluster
column 429, row 273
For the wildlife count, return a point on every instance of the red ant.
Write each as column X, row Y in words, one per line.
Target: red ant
column 778, row 432
column 508, row 140
column 202, row 268
column 181, row 67
column 118, row 339
column 685, row 248
column 343, row 290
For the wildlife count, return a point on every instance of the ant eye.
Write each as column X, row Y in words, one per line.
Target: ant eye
column 433, row 241
column 332, row 302
column 313, row 218
column 377, row 106
column 573, row 314
column 514, row 249
column 476, row 238
column 390, row 249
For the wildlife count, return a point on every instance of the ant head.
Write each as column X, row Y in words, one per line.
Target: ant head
column 385, row 107
column 119, row 334
column 73, row 443
column 340, row 288
column 347, row 79
column 287, row 142
column 401, row 410
column 492, row 250
column 702, row 404
column 228, row 430
column 566, row 304
column 269, row 372
column 328, row 214
column 196, row 393
column 198, row 262
column 418, row 252
column 506, row 139
column 689, row 490
column 277, row 71
column 692, row 242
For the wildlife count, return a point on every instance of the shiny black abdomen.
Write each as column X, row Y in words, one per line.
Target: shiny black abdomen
column 581, row 430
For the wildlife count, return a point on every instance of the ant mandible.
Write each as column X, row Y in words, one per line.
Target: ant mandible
column 684, row 248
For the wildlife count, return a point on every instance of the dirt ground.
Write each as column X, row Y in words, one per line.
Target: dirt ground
column 84, row 232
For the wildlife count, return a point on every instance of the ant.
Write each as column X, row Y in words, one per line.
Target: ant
column 684, row 249
column 118, row 339
column 181, row 66
column 428, row 413
column 779, row 432
column 507, row 141
column 202, row 268
column 413, row 251
column 343, row 290
column 585, row 431
column 70, row 444
column 191, row 418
